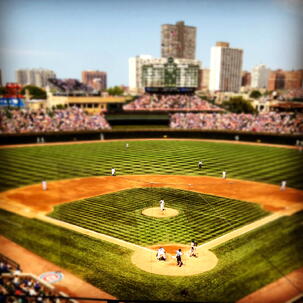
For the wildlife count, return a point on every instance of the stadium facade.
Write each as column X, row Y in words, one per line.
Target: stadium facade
column 91, row 104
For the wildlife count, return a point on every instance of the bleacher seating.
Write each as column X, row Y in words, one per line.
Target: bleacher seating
column 19, row 287
column 171, row 103
column 283, row 123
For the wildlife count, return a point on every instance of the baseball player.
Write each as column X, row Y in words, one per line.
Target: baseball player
column 162, row 204
column 193, row 247
column 283, row 185
column 200, row 164
column 44, row 185
column 126, row 145
column 224, row 174
column 113, row 171
column 179, row 257
column 161, row 254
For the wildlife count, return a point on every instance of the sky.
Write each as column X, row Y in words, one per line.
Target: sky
column 71, row 36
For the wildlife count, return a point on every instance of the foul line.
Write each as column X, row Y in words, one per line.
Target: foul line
column 240, row 231
column 209, row 245
column 92, row 233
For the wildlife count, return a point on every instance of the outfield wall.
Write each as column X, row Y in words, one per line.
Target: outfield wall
column 149, row 133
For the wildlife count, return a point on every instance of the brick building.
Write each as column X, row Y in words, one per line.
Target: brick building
column 281, row 79
column 178, row 41
column 246, row 79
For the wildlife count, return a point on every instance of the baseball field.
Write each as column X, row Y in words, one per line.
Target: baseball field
column 107, row 229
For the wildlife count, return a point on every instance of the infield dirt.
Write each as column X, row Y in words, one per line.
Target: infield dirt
column 32, row 200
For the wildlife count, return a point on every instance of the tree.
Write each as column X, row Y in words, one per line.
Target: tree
column 115, row 91
column 267, row 93
column 239, row 105
column 34, row 91
column 255, row 94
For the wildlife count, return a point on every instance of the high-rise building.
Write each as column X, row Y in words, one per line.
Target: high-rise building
column 37, row 77
column 95, row 79
column 146, row 71
column 178, row 41
column 259, row 76
column 225, row 68
column 281, row 79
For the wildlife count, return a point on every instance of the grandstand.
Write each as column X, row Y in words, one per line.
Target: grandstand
column 171, row 103
column 26, row 287
column 283, row 123
column 45, row 121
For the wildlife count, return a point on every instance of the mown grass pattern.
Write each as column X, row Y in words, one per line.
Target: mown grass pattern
column 202, row 217
column 29, row 165
column 246, row 263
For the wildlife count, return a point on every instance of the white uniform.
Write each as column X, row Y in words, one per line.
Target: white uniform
column 224, row 174
column 162, row 203
column 192, row 252
column 200, row 164
column 113, row 171
column 283, row 185
column 161, row 254
column 126, row 145
column 44, row 185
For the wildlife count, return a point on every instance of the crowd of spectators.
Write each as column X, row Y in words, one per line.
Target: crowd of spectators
column 292, row 94
column 284, row 123
column 170, row 103
column 42, row 120
column 14, row 283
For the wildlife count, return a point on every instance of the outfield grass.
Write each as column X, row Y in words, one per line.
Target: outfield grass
column 245, row 264
column 201, row 217
column 29, row 165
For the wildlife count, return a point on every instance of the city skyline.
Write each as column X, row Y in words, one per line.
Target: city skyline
column 74, row 36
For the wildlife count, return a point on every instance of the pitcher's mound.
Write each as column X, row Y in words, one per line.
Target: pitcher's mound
column 147, row 261
column 157, row 213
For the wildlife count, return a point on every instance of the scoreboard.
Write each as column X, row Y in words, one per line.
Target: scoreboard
column 170, row 75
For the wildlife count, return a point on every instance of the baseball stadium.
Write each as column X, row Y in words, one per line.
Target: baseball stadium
column 165, row 196
column 96, row 232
